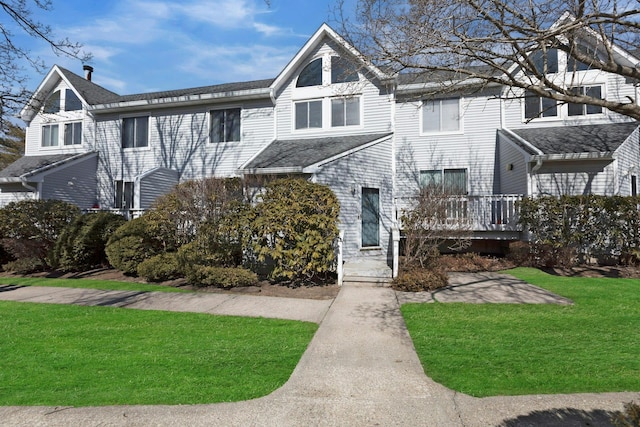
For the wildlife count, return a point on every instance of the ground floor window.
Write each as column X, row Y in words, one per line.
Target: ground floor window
column 124, row 195
column 449, row 181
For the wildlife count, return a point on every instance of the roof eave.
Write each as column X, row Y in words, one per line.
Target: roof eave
column 206, row 98
column 603, row 155
column 273, row 171
column 413, row 88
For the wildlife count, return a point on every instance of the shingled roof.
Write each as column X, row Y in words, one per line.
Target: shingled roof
column 578, row 139
column 92, row 93
column 300, row 153
column 30, row 165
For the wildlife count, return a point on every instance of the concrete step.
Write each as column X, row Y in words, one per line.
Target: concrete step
column 372, row 268
column 366, row 281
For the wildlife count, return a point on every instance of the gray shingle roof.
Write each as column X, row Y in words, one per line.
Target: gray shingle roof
column 89, row 91
column 30, row 165
column 578, row 139
column 288, row 153
column 221, row 88
column 95, row 94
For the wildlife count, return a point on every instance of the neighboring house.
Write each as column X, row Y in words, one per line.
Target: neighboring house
column 373, row 138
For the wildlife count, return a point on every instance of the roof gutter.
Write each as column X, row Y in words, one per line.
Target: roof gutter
column 433, row 86
column 273, row 171
column 143, row 104
column 604, row 155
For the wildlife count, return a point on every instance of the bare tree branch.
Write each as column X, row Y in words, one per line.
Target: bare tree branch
column 517, row 43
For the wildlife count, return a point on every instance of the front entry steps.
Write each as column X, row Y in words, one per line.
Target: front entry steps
column 369, row 271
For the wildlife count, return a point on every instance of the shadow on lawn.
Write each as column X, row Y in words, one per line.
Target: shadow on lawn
column 564, row 417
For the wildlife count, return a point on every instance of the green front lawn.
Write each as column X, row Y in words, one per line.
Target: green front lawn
column 504, row 349
column 60, row 355
column 106, row 285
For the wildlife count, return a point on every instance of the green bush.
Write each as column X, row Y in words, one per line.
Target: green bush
column 221, row 277
column 131, row 244
column 25, row 266
column 160, row 268
column 295, row 227
column 570, row 229
column 30, row 228
column 81, row 245
column 419, row 280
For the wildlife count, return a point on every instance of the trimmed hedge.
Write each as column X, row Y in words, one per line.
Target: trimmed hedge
column 160, row 268
column 131, row 244
column 221, row 277
column 419, row 280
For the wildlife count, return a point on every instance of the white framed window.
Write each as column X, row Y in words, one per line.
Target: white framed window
column 345, row 111
column 73, row 133
column 343, row 70
column 584, row 109
column 52, row 104
column 123, row 195
column 449, row 181
column 538, row 106
column 225, row 125
column 135, row 132
column 441, row 115
column 50, row 135
column 308, row 114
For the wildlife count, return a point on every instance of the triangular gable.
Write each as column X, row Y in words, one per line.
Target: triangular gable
column 88, row 92
column 313, row 42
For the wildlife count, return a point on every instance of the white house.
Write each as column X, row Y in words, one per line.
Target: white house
column 373, row 138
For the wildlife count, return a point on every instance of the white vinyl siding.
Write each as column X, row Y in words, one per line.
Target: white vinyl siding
column 76, row 183
column 575, row 178
column 154, row 184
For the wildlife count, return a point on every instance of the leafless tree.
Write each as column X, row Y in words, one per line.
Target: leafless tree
column 508, row 42
column 16, row 20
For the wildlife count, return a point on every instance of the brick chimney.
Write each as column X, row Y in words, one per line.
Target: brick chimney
column 88, row 69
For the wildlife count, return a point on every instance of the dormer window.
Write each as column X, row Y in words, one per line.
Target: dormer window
column 311, row 75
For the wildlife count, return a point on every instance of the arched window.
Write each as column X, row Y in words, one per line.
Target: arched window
column 343, row 71
column 311, row 75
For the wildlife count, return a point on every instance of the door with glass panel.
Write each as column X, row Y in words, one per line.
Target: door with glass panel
column 370, row 217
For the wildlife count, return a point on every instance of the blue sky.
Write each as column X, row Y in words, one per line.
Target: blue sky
column 150, row 45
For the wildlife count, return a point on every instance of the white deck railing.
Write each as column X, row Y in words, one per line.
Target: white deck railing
column 497, row 212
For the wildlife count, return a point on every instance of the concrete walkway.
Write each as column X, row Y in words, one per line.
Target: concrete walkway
column 360, row 370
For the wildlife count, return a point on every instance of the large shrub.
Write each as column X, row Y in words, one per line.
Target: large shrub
column 131, row 244
column 176, row 217
column 81, row 245
column 295, row 227
column 569, row 229
column 30, row 228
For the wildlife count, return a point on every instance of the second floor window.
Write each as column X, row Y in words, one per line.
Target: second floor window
column 135, row 132
column 345, row 112
column 308, row 114
column 441, row 115
column 584, row 109
column 225, row 125
column 49, row 136
column 71, row 101
column 73, row 133
column 538, row 106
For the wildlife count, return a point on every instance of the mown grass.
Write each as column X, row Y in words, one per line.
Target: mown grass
column 59, row 355
column 106, row 285
column 504, row 349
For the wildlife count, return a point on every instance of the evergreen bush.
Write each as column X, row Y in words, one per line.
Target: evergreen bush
column 221, row 277
column 81, row 245
column 160, row 268
column 295, row 226
column 131, row 244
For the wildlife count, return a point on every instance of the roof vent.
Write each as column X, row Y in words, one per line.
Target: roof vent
column 88, row 69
